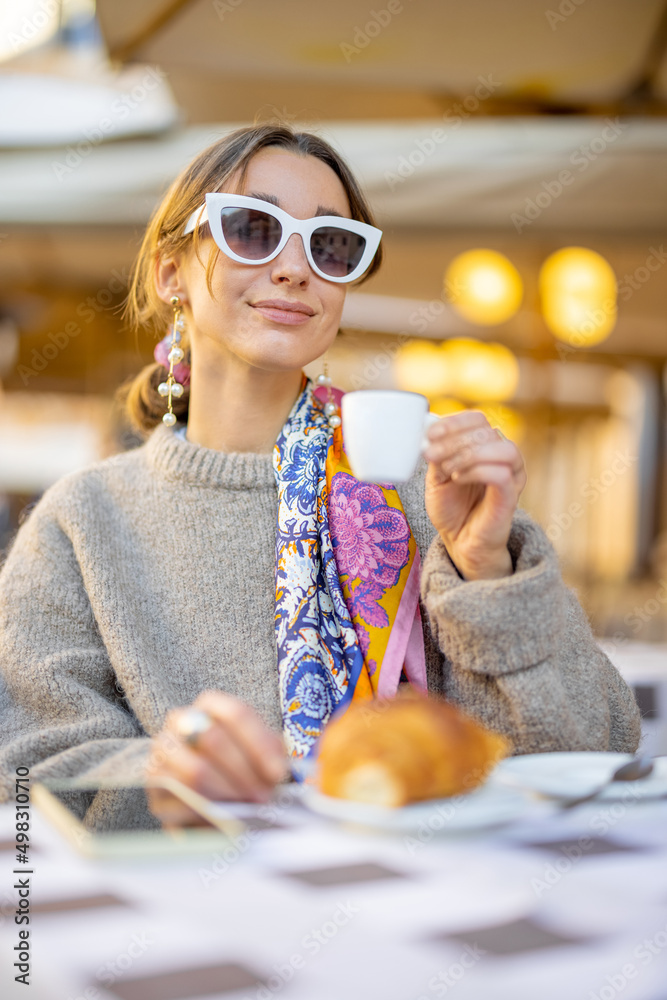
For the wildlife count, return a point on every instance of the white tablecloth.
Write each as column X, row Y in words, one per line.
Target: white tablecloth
column 555, row 906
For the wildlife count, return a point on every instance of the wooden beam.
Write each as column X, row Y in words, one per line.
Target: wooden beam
column 125, row 50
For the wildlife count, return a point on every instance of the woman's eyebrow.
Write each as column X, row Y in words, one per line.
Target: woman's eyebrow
column 321, row 209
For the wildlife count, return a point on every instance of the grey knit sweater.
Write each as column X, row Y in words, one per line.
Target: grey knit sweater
column 147, row 578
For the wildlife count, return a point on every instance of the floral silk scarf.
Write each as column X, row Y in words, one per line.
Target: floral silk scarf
column 347, row 579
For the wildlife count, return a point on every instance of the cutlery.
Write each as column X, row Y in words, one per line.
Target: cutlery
column 632, row 770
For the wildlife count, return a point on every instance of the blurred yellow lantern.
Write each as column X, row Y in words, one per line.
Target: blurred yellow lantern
column 483, row 372
column 578, row 295
column 483, row 286
column 421, row 367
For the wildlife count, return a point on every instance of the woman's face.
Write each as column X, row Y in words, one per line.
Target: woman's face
column 233, row 320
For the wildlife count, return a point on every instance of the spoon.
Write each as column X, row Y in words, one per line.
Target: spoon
column 633, row 770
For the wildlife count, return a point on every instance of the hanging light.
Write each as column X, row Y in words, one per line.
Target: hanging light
column 483, row 286
column 421, row 367
column 578, row 296
column 481, row 372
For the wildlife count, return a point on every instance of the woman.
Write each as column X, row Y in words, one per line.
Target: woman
column 159, row 579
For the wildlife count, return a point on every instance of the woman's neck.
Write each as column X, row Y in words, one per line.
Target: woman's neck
column 240, row 410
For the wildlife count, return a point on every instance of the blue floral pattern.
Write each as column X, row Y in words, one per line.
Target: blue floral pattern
column 319, row 657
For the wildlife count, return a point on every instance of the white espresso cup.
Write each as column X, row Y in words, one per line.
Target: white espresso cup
column 384, row 432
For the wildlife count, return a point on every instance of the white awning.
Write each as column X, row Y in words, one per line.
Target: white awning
column 489, row 173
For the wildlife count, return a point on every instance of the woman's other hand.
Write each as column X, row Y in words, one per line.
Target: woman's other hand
column 473, row 483
column 238, row 757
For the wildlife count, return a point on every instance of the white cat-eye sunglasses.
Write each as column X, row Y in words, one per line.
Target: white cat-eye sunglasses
column 253, row 231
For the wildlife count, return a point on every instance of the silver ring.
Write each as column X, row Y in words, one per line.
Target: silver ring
column 192, row 724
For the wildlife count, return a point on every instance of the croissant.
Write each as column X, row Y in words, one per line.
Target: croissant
column 390, row 752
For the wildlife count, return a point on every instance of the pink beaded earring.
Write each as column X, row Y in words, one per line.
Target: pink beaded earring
column 330, row 408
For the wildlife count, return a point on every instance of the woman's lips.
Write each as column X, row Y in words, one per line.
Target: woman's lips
column 289, row 317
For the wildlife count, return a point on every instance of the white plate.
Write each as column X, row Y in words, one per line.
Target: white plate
column 578, row 773
column 485, row 807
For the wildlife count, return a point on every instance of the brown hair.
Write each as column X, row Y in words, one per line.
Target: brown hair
column 144, row 407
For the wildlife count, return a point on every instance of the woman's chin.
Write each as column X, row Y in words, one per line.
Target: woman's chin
column 285, row 357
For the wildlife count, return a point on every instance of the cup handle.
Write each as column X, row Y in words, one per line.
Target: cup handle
column 429, row 420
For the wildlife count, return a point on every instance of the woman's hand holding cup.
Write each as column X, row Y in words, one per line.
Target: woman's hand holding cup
column 474, row 479
column 221, row 748
column 473, row 483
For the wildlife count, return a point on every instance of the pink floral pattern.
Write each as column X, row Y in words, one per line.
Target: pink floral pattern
column 371, row 544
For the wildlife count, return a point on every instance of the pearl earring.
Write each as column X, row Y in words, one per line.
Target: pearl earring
column 330, row 408
column 172, row 388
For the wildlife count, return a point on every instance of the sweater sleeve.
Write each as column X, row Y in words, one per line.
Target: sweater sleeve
column 518, row 653
column 61, row 711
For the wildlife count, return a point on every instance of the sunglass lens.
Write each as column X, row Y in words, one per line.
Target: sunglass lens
column 336, row 252
column 249, row 233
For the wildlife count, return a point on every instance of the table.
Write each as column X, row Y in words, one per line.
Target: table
column 555, row 906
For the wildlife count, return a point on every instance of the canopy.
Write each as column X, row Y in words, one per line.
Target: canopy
column 228, row 59
column 506, row 173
